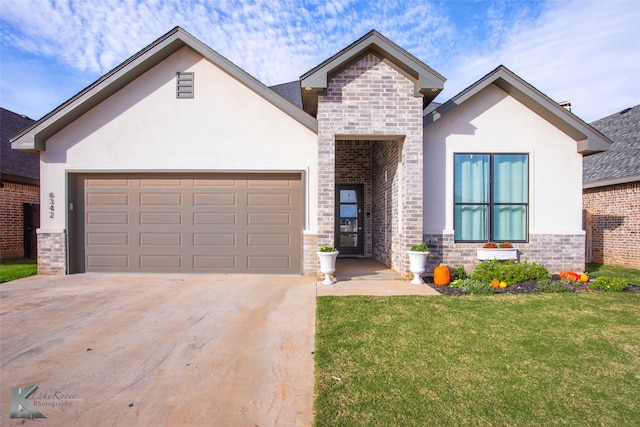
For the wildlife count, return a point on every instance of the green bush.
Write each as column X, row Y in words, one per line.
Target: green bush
column 420, row 248
column 509, row 271
column 459, row 272
column 473, row 287
column 609, row 284
column 548, row 286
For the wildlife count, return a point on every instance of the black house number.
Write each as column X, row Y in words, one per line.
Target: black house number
column 52, row 205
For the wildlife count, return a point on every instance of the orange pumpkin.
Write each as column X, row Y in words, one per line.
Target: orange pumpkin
column 495, row 283
column 441, row 275
column 584, row 277
column 573, row 276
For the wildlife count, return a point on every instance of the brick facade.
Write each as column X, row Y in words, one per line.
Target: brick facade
column 612, row 215
column 11, row 217
column 556, row 252
column 52, row 252
column 372, row 100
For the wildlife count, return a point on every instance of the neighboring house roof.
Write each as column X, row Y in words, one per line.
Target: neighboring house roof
column 621, row 163
column 589, row 140
column 35, row 136
column 16, row 166
column 429, row 83
column 289, row 91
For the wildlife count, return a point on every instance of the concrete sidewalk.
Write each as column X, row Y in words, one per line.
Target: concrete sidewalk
column 161, row 350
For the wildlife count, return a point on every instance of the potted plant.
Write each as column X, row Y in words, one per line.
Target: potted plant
column 417, row 260
column 500, row 251
column 327, row 255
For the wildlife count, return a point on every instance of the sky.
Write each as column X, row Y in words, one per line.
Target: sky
column 582, row 51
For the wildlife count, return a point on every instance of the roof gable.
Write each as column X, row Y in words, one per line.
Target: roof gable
column 589, row 140
column 34, row 137
column 429, row 83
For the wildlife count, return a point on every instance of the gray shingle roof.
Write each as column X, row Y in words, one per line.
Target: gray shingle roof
column 622, row 162
column 289, row 91
column 16, row 164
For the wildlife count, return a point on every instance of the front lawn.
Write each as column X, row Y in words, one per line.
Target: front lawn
column 12, row 270
column 631, row 275
column 525, row 360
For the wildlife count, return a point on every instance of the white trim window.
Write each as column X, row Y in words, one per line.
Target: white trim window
column 491, row 197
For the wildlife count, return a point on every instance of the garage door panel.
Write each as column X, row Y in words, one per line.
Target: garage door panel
column 214, row 239
column 269, row 240
column 227, row 223
column 226, row 262
column 107, row 239
column 160, row 199
column 116, row 218
column 108, row 199
column 160, row 239
column 161, row 262
column 268, row 218
column 160, row 218
column 108, row 262
column 265, row 263
column 160, row 183
column 212, row 199
column 201, row 218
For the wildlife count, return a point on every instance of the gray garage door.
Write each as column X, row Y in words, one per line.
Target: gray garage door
column 223, row 223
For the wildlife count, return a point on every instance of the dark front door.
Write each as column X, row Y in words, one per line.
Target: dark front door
column 349, row 225
column 31, row 216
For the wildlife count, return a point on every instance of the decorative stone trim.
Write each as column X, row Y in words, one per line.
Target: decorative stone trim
column 310, row 244
column 52, row 252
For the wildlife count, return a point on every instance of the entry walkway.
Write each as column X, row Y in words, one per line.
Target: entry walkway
column 366, row 276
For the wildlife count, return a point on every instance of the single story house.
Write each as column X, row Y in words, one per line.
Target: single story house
column 611, row 192
column 19, row 191
column 179, row 161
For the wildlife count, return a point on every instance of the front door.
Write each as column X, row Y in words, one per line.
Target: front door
column 349, row 225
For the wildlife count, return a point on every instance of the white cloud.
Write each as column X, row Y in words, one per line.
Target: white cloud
column 578, row 51
column 585, row 52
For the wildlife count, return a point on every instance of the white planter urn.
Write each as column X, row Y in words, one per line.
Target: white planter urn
column 417, row 262
column 328, row 266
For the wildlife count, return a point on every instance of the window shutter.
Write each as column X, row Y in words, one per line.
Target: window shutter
column 184, row 85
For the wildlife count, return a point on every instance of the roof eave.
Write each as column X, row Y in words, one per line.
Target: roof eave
column 611, row 181
column 588, row 139
column 33, row 138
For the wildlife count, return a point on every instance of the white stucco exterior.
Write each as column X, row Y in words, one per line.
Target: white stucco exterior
column 494, row 122
column 143, row 127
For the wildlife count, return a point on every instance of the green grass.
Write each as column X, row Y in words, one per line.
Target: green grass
column 631, row 275
column 509, row 360
column 12, row 270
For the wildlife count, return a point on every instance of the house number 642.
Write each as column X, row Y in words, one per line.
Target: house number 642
column 52, row 205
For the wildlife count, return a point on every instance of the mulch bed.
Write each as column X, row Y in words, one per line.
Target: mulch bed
column 518, row 288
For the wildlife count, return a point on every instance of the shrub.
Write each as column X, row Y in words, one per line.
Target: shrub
column 472, row 287
column 609, row 284
column 509, row 271
column 547, row 286
column 326, row 249
column 420, row 248
column 459, row 272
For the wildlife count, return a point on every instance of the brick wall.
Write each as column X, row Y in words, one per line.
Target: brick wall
column 373, row 99
column 556, row 252
column 11, row 217
column 614, row 215
column 385, row 200
column 52, row 252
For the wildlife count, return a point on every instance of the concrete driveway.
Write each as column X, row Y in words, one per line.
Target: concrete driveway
column 162, row 350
